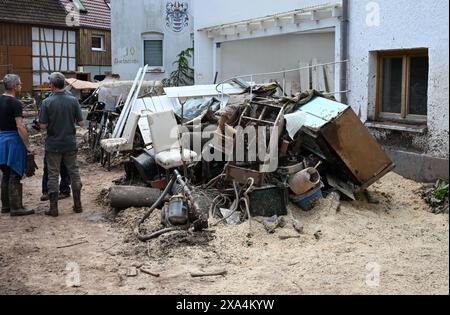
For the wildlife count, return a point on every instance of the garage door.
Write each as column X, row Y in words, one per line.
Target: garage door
column 278, row 53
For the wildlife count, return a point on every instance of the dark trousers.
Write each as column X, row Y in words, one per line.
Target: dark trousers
column 64, row 184
column 54, row 160
column 10, row 177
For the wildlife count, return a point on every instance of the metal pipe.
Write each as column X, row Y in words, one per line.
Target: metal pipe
column 344, row 49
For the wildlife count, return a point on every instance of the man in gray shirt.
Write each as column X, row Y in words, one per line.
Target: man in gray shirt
column 59, row 114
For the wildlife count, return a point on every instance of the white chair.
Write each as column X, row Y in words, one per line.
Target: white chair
column 166, row 141
column 126, row 142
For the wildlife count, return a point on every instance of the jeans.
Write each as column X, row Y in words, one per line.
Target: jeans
column 64, row 185
column 54, row 160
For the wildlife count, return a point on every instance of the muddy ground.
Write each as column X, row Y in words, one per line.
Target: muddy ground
column 395, row 247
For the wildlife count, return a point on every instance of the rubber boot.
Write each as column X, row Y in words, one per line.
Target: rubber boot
column 15, row 200
column 64, row 195
column 77, row 208
column 45, row 197
column 53, row 211
column 5, row 198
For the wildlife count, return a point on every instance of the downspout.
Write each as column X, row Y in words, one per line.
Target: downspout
column 344, row 50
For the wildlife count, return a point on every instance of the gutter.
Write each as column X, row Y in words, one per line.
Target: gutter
column 344, row 50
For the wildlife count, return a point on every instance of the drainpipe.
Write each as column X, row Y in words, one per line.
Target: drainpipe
column 344, row 49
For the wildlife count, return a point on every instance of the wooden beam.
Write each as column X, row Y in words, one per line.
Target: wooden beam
column 404, row 86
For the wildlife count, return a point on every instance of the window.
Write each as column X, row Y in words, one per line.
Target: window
column 98, row 43
column 79, row 6
column 403, row 85
column 153, row 53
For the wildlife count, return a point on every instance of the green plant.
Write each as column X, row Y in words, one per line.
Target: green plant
column 184, row 75
column 437, row 195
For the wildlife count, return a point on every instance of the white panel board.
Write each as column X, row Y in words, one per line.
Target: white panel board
column 48, row 34
column 72, row 37
column 202, row 90
column 58, row 48
column 58, row 36
column 35, row 33
column 36, row 79
column 72, row 64
column 64, row 64
column 36, row 47
column 36, row 64
column 72, row 51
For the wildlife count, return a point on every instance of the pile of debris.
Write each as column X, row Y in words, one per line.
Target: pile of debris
column 245, row 150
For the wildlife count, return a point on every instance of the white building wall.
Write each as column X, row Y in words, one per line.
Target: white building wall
column 269, row 54
column 403, row 24
column 215, row 12
column 129, row 21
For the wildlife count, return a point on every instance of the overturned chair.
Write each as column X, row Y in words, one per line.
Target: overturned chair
column 124, row 143
column 165, row 134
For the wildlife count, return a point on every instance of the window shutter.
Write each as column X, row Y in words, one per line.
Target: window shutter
column 153, row 53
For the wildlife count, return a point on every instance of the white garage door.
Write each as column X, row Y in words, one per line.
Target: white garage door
column 277, row 53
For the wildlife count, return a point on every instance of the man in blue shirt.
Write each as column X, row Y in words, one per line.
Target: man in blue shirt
column 59, row 114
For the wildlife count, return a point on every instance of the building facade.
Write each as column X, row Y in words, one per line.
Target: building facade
column 22, row 32
column 149, row 32
column 238, row 38
column 398, row 80
column 93, row 31
column 395, row 77
column 49, row 37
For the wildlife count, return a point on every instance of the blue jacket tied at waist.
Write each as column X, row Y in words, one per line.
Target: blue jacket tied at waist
column 12, row 151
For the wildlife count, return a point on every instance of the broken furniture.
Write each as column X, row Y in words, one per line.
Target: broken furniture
column 126, row 141
column 241, row 175
column 333, row 132
column 125, row 129
column 169, row 153
column 264, row 113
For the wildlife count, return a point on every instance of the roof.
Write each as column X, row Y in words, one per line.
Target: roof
column 98, row 14
column 39, row 12
column 53, row 13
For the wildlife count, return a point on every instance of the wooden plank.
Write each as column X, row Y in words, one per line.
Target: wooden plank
column 15, row 34
column 305, row 82
column 404, row 86
column 20, row 57
column 3, row 55
column 94, row 58
column 318, row 79
column 379, row 97
column 407, row 84
column 329, row 78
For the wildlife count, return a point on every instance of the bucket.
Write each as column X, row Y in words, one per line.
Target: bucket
column 146, row 166
column 304, row 181
column 307, row 201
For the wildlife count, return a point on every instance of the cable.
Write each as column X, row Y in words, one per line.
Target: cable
column 146, row 237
